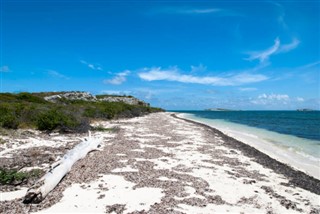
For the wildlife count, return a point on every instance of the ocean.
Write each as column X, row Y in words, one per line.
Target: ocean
column 291, row 136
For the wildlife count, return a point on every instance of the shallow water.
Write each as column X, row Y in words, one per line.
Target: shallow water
column 292, row 137
column 298, row 131
column 296, row 123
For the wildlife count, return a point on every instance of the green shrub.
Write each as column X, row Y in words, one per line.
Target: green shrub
column 2, row 141
column 90, row 112
column 30, row 98
column 7, row 97
column 7, row 117
column 11, row 176
column 9, row 121
column 25, row 110
column 53, row 119
column 101, row 129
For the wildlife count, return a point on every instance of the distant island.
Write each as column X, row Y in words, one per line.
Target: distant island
column 305, row 109
column 219, row 109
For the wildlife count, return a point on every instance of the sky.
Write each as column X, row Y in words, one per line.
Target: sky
column 177, row 55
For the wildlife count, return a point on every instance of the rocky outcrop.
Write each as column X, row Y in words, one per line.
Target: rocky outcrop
column 85, row 96
column 128, row 100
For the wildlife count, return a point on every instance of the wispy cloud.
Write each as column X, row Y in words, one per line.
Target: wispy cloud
column 199, row 11
column 4, row 68
column 247, row 89
column 173, row 74
column 195, row 11
column 281, row 17
column 264, row 55
column 151, row 93
column 91, row 66
column 56, row 74
column 300, row 99
column 118, row 79
column 197, row 69
column 288, row 47
column 310, row 65
column 115, row 92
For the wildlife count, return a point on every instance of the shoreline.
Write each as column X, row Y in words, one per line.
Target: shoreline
column 161, row 164
column 297, row 177
column 294, row 160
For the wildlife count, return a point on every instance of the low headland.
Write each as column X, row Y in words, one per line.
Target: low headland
column 66, row 111
column 150, row 161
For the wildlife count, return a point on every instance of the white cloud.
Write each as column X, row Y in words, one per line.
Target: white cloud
column 247, row 89
column 310, row 65
column 173, row 74
column 5, row 68
column 281, row 16
column 118, row 79
column 279, row 97
column 201, row 11
column 271, row 99
column 91, row 66
column 188, row 10
column 115, row 92
column 199, row 68
column 195, row 11
column 278, row 101
column 288, row 47
column 264, row 55
column 276, row 48
column 300, row 99
column 57, row 74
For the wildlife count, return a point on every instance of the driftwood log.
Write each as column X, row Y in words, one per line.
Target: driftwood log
column 59, row 169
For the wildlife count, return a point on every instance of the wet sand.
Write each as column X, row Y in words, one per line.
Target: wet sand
column 160, row 164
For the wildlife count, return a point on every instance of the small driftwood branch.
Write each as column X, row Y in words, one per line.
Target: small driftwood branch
column 59, row 169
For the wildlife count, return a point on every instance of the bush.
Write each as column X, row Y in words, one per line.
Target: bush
column 9, row 121
column 53, row 119
column 8, row 118
column 10, row 176
column 25, row 110
column 7, row 97
column 30, row 98
column 101, row 128
column 90, row 112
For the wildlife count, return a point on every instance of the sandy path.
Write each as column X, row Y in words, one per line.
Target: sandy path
column 161, row 164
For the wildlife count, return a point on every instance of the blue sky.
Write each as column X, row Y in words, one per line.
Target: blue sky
column 172, row 54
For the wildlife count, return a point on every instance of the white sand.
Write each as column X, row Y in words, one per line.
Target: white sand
column 15, row 144
column 180, row 148
column 86, row 200
column 295, row 160
column 13, row 194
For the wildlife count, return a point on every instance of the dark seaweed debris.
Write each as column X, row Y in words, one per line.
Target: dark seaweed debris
column 296, row 178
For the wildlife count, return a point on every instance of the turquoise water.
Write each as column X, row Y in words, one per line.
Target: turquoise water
column 289, row 130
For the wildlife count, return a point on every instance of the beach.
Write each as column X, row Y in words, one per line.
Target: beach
column 158, row 163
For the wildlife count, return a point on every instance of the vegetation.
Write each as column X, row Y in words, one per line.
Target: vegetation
column 31, row 110
column 112, row 95
column 9, row 176
column 2, row 141
column 54, row 118
column 103, row 129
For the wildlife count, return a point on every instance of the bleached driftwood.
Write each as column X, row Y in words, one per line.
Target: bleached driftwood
column 59, row 169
